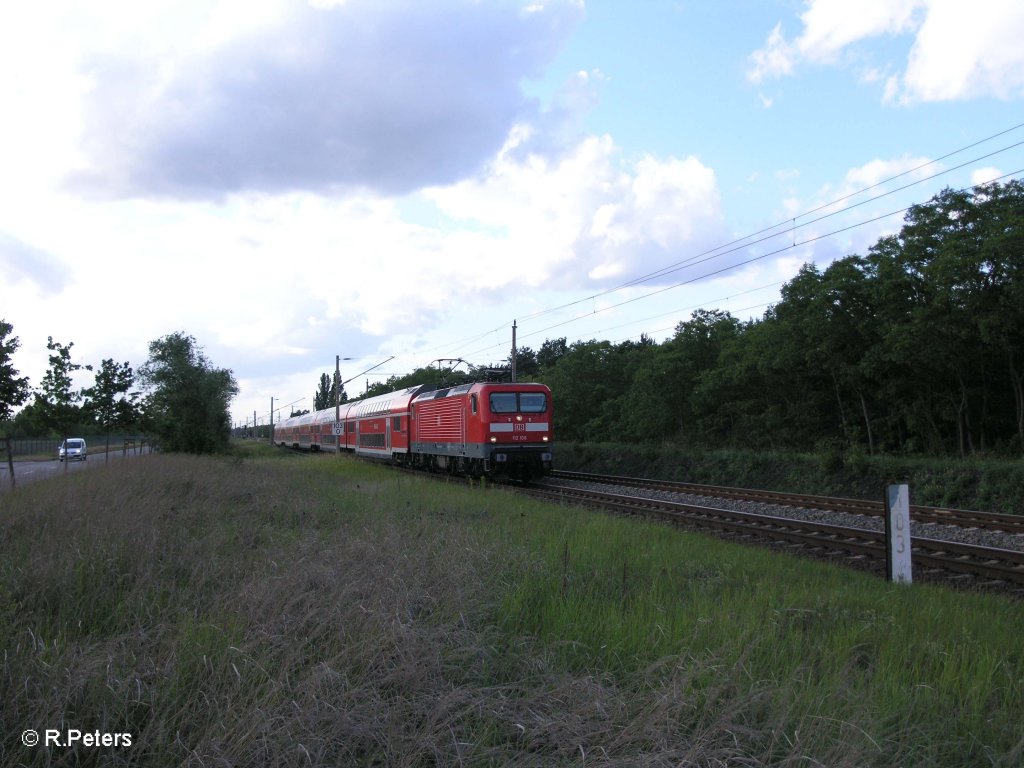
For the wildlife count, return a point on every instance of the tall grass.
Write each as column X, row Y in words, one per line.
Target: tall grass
column 285, row 610
column 821, row 661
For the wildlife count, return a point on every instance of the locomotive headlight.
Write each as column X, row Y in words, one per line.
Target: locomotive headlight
column 494, row 439
column 545, row 438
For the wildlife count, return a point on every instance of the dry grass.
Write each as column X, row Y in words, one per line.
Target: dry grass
column 243, row 613
column 295, row 611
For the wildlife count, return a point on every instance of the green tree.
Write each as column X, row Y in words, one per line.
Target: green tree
column 998, row 308
column 323, row 398
column 846, row 305
column 57, row 399
column 738, row 401
column 526, row 364
column 696, row 348
column 30, row 421
column 590, row 383
column 14, row 390
column 826, row 326
column 579, row 388
column 448, row 376
column 940, row 252
column 188, row 399
column 949, row 290
column 327, row 392
column 108, row 400
column 550, row 352
column 337, row 385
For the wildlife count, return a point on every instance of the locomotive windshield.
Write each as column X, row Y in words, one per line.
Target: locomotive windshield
column 532, row 402
column 518, row 402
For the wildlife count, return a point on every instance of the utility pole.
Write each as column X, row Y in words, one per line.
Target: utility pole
column 271, row 419
column 513, row 351
column 338, row 385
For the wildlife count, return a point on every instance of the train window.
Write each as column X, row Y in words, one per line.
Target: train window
column 473, row 403
column 532, row 402
column 396, row 423
column 503, row 402
column 373, row 441
column 518, row 402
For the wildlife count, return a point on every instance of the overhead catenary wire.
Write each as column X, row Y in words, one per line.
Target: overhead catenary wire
column 678, row 310
column 671, row 328
column 759, row 236
column 777, row 251
column 790, row 226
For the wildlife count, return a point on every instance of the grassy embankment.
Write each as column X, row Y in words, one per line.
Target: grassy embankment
column 281, row 609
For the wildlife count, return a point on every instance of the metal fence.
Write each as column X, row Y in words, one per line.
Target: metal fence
column 40, row 446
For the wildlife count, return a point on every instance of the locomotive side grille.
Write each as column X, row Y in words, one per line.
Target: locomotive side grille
column 441, row 420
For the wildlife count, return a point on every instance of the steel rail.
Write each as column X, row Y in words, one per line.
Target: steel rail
column 940, row 515
column 1001, row 564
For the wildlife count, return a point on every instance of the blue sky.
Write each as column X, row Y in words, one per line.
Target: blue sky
column 290, row 181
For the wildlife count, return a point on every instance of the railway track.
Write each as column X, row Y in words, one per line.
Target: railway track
column 937, row 515
column 936, row 558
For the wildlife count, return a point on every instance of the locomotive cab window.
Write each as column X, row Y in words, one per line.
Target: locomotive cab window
column 518, row 402
column 532, row 402
column 503, row 402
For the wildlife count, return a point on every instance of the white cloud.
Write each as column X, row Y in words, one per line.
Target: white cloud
column 354, row 96
column 232, row 272
column 985, row 175
column 875, row 171
column 25, row 264
column 774, row 60
column 959, row 50
column 832, row 25
column 583, row 214
column 217, row 144
column 851, row 216
column 221, row 148
column 964, row 50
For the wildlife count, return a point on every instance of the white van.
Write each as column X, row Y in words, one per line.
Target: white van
column 73, row 448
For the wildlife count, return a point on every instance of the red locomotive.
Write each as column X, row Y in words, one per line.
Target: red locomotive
column 498, row 430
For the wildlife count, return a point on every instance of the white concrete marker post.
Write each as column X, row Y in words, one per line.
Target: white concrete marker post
column 897, row 533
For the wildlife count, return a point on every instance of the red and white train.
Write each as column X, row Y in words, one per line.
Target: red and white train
column 497, row 430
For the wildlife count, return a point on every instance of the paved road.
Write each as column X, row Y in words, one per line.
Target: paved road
column 32, row 471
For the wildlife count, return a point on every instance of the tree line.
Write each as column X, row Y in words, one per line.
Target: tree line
column 178, row 397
